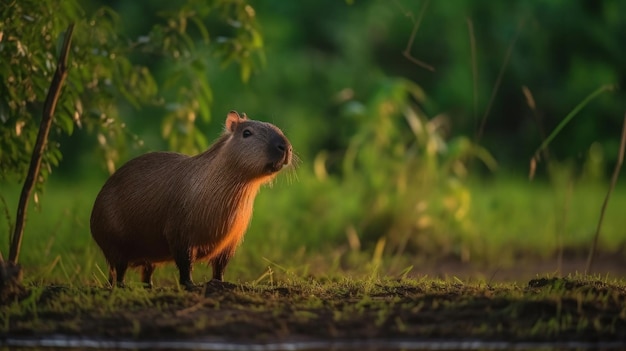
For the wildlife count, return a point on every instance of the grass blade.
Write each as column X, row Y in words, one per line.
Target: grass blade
column 574, row 112
column 496, row 87
column 620, row 160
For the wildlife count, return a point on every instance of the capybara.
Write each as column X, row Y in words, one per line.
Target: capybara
column 165, row 206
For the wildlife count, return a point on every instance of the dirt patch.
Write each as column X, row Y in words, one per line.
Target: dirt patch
column 581, row 309
column 612, row 265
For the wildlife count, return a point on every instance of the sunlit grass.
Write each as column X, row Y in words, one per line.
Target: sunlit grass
column 509, row 220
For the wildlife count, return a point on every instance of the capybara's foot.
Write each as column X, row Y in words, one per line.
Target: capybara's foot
column 188, row 285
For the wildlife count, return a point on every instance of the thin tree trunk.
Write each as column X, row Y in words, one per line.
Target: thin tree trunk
column 42, row 137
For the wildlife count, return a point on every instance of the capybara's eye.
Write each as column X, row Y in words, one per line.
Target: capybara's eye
column 246, row 133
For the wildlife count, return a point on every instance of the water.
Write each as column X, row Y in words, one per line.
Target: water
column 63, row 342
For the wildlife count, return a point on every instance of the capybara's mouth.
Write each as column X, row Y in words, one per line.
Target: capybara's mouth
column 273, row 167
column 278, row 165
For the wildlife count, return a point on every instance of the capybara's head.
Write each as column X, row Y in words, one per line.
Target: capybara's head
column 255, row 149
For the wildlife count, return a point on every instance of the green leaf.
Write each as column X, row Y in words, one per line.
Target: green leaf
column 201, row 28
column 246, row 69
column 66, row 122
column 205, row 99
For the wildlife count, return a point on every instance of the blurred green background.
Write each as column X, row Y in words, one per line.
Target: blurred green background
column 400, row 164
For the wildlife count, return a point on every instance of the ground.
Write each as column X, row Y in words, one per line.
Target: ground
column 573, row 263
column 579, row 308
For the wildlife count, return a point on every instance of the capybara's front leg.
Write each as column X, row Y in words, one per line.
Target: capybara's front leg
column 219, row 264
column 183, row 262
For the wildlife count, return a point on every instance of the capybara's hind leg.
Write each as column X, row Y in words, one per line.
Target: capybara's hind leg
column 111, row 275
column 183, row 262
column 146, row 274
column 120, row 272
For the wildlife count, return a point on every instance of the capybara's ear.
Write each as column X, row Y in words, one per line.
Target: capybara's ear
column 232, row 119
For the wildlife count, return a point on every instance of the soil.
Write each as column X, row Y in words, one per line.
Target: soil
column 544, row 309
column 422, row 307
column 612, row 265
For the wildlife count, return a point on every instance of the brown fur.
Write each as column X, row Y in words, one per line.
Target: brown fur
column 165, row 206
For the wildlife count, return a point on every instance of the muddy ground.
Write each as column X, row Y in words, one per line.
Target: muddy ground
column 611, row 265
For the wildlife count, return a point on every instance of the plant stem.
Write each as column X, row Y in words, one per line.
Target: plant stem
column 620, row 160
column 407, row 51
column 42, row 137
column 496, row 87
column 470, row 29
column 574, row 112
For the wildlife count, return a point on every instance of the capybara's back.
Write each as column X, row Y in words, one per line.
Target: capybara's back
column 165, row 206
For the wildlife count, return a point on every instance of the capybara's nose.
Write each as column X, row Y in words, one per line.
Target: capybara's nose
column 280, row 143
column 282, row 147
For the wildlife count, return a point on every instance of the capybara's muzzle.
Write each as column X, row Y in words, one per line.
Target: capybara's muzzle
column 281, row 152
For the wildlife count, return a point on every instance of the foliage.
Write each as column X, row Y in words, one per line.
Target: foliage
column 322, row 69
column 399, row 179
column 28, row 47
column 319, row 52
column 187, row 91
column 412, row 176
column 104, row 71
column 390, row 158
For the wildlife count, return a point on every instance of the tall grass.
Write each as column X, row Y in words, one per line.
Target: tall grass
column 509, row 221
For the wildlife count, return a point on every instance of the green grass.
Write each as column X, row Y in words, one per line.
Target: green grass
column 508, row 220
column 518, row 217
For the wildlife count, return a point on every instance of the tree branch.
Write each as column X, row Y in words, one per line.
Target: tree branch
column 407, row 51
column 42, row 137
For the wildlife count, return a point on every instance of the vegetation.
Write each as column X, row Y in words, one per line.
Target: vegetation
column 511, row 223
column 108, row 74
column 100, row 71
column 415, row 122
column 390, row 158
